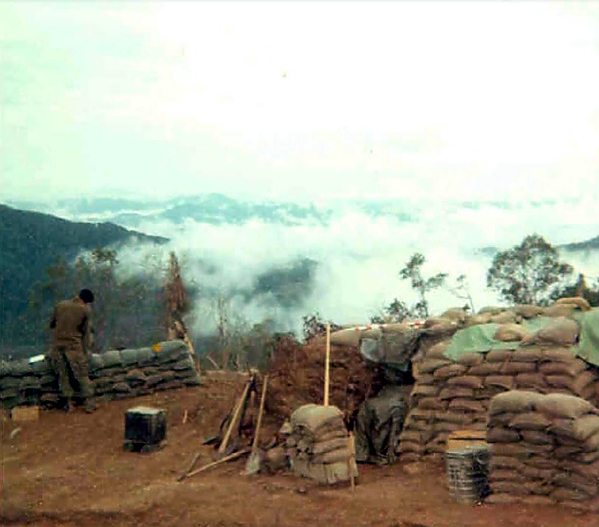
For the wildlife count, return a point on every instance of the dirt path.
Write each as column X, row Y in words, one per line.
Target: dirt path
column 70, row 470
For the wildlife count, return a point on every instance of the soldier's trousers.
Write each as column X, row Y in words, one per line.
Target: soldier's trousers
column 67, row 358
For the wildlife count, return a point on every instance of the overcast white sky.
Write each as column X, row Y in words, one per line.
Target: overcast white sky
column 299, row 100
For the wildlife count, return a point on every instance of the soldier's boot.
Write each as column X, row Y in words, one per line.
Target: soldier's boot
column 89, row 406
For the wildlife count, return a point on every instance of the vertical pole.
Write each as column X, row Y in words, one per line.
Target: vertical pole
column 326, row 366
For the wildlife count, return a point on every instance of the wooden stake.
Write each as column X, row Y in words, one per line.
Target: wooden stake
column 230, row 457
column 351, row 456
column 326, row 366
column 240, row 403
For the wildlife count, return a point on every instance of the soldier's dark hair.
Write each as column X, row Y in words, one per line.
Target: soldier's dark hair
column 86, row 295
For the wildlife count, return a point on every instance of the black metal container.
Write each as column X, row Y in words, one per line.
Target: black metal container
column 145, row 429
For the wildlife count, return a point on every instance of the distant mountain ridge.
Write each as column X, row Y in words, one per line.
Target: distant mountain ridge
column 219, row 209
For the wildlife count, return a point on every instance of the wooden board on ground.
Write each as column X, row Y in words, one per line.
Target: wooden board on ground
column 22, row 414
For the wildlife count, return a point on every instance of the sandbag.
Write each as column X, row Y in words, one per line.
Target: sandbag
column 563, row 494
column 505, row 474
column 322, row 447
column 509, row 449
column 528, row 310
column 430, row 365
column 559, row 354
column 437, row 351
column 485, row 368
column 453, row 417
column 112, row 358
column 346, row 337
column 502, row 498
column 565, row 406
column 470, row 359
column 578, row 301
column 437, row 321
column 536, row 437
column 479, row 319
column 456, row 314
column 514, row 368
column 505, row 382
column 499, row 355
column 467, row 405
column 468, row 381
column 515, row 401
column 335, row 456
column 504, row 462
column 425, row 390
column 530, row 354
column 502, row 435
column 535, row 381
column 560, row 310
column 451, row 392
column 510, row 332
column 570, row 369
column 530, row 421
column 561, row 332
column 432, row 403
column 507, row 317
column 449, row 371
column 509, row 487
column 536, row 473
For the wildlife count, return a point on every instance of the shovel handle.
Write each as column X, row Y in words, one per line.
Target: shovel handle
column 260, row 412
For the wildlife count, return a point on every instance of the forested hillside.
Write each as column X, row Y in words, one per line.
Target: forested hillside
column 30, row 243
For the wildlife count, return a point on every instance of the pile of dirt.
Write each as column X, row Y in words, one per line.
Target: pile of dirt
column 296, row 377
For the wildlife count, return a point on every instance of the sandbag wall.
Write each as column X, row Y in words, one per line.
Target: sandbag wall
column 544, row 449
column 450, row 396
column 115, row 374
column 318, row 445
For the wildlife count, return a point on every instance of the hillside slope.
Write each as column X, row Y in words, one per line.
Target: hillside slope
column 31, row 241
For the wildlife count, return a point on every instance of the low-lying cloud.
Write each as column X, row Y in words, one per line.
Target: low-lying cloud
column 355, row 259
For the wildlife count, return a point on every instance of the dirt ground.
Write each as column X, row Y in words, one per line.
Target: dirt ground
column 71, row 470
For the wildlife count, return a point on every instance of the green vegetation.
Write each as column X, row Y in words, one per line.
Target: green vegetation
column 413, row 272
column 528, row 273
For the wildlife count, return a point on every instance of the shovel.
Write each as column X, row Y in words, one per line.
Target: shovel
column 253, row 463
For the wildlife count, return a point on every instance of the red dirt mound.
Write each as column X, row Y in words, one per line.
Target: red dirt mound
column 296, row 377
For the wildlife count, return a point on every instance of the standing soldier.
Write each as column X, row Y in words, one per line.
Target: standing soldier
column 71, row 322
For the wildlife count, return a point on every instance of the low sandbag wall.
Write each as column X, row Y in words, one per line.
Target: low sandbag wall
column 544, row 449
column 115, row 374
column 450, row 396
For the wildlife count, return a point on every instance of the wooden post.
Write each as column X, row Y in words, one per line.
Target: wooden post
column 326, row 366
column 233, row 423
column 351, row 458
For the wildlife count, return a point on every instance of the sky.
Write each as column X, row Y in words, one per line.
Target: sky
column 300, row 101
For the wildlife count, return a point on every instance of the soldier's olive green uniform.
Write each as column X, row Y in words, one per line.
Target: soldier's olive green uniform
column 71, row 322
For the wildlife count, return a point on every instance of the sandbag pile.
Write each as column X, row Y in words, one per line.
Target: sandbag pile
column 318, row 445
column 450, row 396
column 545, row 449
column 116, row 374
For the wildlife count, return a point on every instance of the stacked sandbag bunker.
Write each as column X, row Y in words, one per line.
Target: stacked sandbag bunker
column 544, row 449
column 115, row 374
column 520, row 348
column 318, row 446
